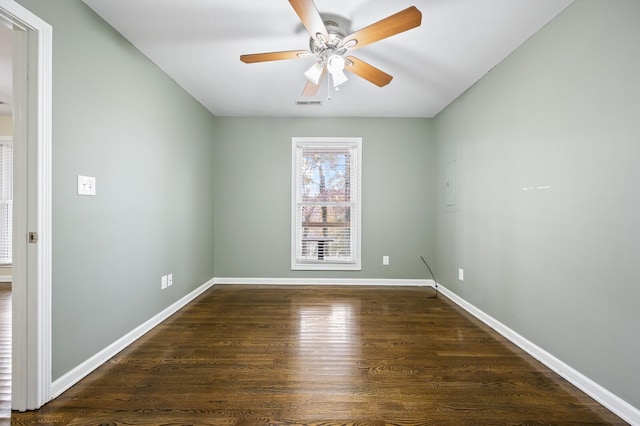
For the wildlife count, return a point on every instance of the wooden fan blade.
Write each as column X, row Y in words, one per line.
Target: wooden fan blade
column 274, row 56
column 389, row 26
column 310, row 89
column 311, row 19
column 366, row 71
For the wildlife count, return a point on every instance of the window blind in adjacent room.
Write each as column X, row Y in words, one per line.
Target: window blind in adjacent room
column 6, row 202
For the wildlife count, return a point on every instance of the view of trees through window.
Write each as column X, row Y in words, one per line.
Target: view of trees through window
column 325, row 206
column 326, row 203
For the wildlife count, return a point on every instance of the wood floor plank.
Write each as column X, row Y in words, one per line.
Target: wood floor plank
column 295, row 355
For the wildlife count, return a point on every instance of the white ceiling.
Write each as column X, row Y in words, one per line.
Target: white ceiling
column 198, row 43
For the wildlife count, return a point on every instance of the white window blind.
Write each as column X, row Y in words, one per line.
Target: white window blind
column 326, row 203
column 6, row 202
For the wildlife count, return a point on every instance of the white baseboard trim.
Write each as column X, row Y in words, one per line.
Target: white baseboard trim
column 615, row 404
column 6, row 278
column 82, row 370
column 325, row 281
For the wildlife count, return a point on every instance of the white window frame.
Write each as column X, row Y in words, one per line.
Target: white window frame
column 329, row 142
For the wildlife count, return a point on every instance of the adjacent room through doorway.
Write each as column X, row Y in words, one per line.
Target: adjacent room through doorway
column 6, row 215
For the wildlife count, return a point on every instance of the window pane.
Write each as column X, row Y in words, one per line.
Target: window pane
column 325, row 175
column 325, row 240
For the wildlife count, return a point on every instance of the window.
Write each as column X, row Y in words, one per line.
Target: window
column 6, row 201
column 326, row 203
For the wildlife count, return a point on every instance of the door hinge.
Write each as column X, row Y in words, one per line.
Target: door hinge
column 33, row 237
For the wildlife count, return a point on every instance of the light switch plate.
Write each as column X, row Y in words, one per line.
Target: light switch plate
column 86, row 185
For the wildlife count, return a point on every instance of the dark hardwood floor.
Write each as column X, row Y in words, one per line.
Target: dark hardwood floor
column 253, row 355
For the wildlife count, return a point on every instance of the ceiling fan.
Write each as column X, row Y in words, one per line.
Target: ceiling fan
column 330, row 42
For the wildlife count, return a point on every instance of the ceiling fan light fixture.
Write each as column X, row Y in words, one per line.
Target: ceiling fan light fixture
column 329, row 41
column 335, row 66
column 314, row 73
column 338, row 79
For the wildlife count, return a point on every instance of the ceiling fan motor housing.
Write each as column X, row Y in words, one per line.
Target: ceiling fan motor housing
column 337, row 31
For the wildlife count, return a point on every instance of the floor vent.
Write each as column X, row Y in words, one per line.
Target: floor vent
column 319, row 103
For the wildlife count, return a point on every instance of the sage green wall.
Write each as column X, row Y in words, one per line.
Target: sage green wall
column 252, row 166
column 556, row 262
column 117, row 117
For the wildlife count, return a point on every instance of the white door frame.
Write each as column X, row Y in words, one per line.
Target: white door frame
column 31, row 290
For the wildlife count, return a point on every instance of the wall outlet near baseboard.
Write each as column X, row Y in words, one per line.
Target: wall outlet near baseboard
column 461, row 274
column 163, row 282
column 385, row 260
column 169, row 280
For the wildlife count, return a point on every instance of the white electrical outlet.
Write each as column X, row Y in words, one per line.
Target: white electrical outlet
column 461, row 274
column 163, row 282
column 385, row 260
column 86, row 185
column 169, row 280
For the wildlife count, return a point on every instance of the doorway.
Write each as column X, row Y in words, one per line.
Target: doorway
column 6, row 212
column 31, row 288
